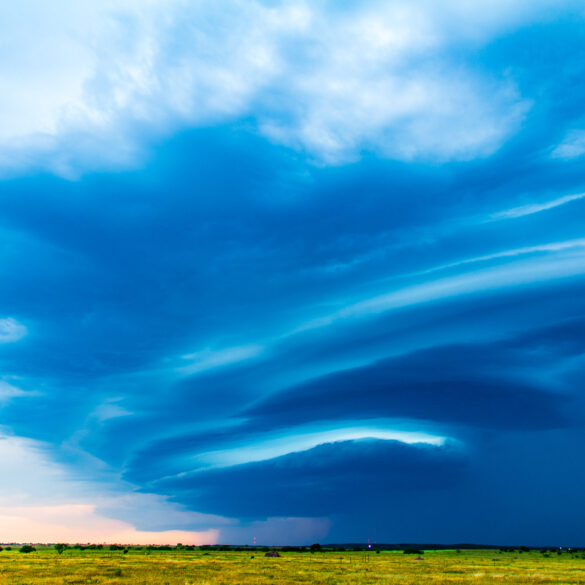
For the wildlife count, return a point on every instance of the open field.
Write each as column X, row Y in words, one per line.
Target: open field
column 328, row 568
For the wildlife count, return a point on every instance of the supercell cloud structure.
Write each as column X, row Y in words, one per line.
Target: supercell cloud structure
column 294, row 271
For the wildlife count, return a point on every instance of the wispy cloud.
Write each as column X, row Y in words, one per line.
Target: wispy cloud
column 528, row 250
column 208, row 359
column 8, row 392
column 573, row 146
column 531, row 208
column 11, row 330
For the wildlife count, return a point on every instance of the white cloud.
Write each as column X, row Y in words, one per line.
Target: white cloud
column 573, row 146
column 531, row 208
column 102, row 79
column 25, row 470
column 279, row 445
column 8, row 392
column 11, row 330
column 109, row 409
column 208, row 359
column 527, row 250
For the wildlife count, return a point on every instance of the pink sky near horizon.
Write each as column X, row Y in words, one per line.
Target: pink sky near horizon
column 24, row 462
column 79, row 523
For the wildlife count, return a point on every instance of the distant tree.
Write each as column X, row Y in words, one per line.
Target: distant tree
column 27, row 548
column 413, row 551
column 1, row 549
column 60, row 548
column 315, row 547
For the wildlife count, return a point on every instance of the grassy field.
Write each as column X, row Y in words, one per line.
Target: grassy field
column 327, row 568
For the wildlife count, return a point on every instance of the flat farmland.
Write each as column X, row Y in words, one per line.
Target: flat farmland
column 139, row 567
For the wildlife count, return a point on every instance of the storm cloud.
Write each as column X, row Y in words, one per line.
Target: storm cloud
column 304, row 266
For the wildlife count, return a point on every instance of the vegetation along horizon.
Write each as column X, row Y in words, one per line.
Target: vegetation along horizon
column 186, row 565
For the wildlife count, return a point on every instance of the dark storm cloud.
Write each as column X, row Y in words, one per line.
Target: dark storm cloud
column 504, row 385
column 322, row 480
column 457, row 384
column 128, row 283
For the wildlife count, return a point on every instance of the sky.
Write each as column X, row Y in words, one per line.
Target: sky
column 292, row 271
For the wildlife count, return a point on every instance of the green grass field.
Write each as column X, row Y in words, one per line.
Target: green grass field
column 328, row 568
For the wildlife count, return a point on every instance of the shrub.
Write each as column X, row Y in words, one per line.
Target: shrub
column 60, row 548
column 413, row 551
column 27, row 548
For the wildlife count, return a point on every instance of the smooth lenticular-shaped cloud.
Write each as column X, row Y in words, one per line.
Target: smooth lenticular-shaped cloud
column 321, row 480
column 509, row 275
column 296, row 440
column 450, row 385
